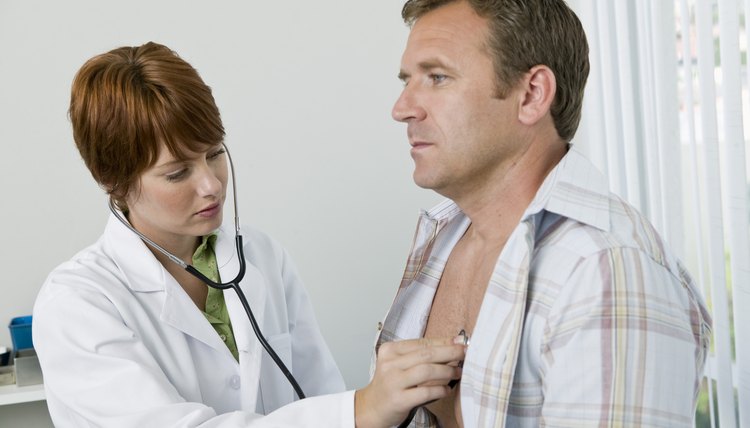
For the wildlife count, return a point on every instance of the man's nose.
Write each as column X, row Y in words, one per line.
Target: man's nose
column 407, row 107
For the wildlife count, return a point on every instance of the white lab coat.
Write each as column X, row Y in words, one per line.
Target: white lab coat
column 122, row 345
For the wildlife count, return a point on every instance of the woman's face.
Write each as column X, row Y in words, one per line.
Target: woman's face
column 177, row 201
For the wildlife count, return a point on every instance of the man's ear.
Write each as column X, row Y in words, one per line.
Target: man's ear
column 538, row 88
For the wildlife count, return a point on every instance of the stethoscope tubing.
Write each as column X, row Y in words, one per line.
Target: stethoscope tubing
column 233, row 284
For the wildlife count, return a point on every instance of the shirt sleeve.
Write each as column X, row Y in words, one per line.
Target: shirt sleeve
column 624, row 345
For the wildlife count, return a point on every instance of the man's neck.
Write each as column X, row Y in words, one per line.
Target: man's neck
column 496, row 207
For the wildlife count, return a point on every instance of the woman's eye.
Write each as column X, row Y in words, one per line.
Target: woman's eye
column 176, row 176
column 217, row 153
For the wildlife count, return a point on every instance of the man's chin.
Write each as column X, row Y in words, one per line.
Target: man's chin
column 421, row 181
column 427, row 182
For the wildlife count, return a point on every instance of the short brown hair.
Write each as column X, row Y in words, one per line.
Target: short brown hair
column 525, row 33
column 126, row 102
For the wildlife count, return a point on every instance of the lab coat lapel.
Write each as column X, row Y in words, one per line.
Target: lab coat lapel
column 145, row 275
column 254, row 287
column 140, row 269
column 180, row 312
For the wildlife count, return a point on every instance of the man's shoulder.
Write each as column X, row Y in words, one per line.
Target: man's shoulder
column 565, row 244
column 628, row 229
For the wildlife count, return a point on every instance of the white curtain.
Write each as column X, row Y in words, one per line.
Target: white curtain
column 664, row 118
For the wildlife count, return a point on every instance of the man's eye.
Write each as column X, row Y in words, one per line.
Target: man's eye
column 438, row 78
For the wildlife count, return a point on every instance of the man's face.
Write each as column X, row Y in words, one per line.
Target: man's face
column 461, row 134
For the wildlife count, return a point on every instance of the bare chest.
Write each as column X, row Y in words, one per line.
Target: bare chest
column 460, row 292
column 455, row 307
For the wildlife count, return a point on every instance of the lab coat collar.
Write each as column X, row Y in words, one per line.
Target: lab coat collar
column 144, row 273
column 141, row 269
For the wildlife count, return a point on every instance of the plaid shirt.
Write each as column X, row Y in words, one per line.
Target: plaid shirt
column 588, row 319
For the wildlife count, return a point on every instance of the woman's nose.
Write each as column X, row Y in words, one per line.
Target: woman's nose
column 209, row 181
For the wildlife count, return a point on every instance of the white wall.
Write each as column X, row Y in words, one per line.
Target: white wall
column 305, row 90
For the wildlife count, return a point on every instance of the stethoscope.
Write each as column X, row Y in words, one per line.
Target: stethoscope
column 233, row 284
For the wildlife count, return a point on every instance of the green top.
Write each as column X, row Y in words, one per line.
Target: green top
column 204, row 259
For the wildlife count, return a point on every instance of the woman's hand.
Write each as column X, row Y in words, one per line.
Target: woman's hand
column 408, row 374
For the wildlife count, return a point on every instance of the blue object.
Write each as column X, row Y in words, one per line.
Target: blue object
column 20, row 333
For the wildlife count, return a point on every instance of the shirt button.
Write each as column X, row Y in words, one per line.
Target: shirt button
column 223, row 337
column 234, row 382
column 380, row 326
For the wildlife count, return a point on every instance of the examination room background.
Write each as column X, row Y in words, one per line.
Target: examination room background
column 305, row 90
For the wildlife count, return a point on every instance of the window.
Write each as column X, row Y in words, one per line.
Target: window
column 665, row 116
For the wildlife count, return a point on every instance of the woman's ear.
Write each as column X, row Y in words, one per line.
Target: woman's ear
column 538, row 91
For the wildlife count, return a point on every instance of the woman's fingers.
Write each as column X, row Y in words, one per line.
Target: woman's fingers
column 430, row 375
column 408, row 374
column 410, row 353
column 408, row 346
